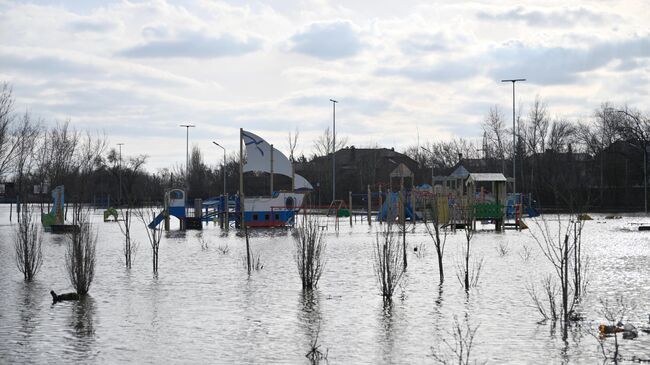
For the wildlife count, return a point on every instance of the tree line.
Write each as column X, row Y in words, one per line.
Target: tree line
column 598, row 162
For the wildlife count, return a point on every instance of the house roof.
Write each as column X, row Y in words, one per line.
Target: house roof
column 486, row 177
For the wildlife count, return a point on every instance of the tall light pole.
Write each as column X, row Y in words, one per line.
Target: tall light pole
column 119, row 200
column 514, row 142
column 333, row 148
column 426, row 149
column 187, row 151
column 223, row 167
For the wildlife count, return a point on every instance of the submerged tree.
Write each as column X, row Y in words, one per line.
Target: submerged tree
column 309, row 245
column 388, row 261
column 27, row 244
column 468, row 276
column 80, row 255
column 562, row 247
column 130, row 246
column 154, row 235
column 437, row 234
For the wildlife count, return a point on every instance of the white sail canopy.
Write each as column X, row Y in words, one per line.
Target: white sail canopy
column 258, row 159
column 258, row 156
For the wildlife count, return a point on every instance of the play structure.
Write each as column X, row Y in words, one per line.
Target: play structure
column 54, row 221
column 174, row 206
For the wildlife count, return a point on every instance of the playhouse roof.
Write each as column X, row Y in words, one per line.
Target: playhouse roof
column 486, row 177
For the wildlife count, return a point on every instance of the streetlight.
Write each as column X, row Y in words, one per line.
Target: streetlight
column 223, row 168
column 514, row 143
column 120, row 173
column 426, row 149
column 333, row 149
column 187, row 151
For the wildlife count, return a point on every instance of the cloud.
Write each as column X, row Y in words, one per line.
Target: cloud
column 194, row 45
column 95, row 26
column 327, row 41
column 367, row 106
column 539, row 64
column 432, row 42
column 445, row 71
column 566, row 17
column 561, row 65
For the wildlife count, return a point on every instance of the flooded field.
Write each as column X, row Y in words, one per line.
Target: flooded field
column 204, row 308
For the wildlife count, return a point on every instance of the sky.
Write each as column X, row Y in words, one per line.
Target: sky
column 402, row 71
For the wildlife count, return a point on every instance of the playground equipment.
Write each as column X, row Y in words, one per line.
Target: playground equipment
column 390, row 209
column 110, row 212
column 175, row 206
column 54, row 221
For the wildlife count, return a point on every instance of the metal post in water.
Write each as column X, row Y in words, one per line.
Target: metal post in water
column 369, row 207
column 350, row 210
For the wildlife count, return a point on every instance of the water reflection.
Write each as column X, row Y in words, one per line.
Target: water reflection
column 386, row 336
column 82, row 327
column 310, row 320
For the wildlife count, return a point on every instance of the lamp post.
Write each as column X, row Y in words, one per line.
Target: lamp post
column 187, row 151
column 333, row 149
column 426, row 149
column 119, row 200
column 514, row 131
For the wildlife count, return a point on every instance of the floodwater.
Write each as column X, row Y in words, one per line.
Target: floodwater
column 204, row 308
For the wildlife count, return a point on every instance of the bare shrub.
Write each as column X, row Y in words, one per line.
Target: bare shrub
column 503, row 249
column 203, row 242
column 223, row 249
column 255, row 262
column 525, row 253
column 469, row 275
column 561, row 247
column 80, row 255
column 460, row 350
column 28, row 244
column 388, row 263
column 309, row 248
column 545, row 302
column 153, row 234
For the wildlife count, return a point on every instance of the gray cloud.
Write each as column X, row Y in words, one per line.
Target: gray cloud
column 327, row 41
column 560, row 65
column 541, row 65
column 98, row 26
column 367, row 106
column 54, row 67
column 440, row 72
column 194, row 45
column 536, row 18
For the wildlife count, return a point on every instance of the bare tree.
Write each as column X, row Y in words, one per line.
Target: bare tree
column 560, row 246
column 309, row 246
column 495, row 132
column 80, row 255
column 437, row 234
column 323, row 145
column 130, row 246
column 388, row 261
column 7, row 140
column 469, row 276
column 25, row 137
column 153, row 234
column 27, row 244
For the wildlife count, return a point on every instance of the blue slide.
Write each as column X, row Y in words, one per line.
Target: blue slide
column 156, row 221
